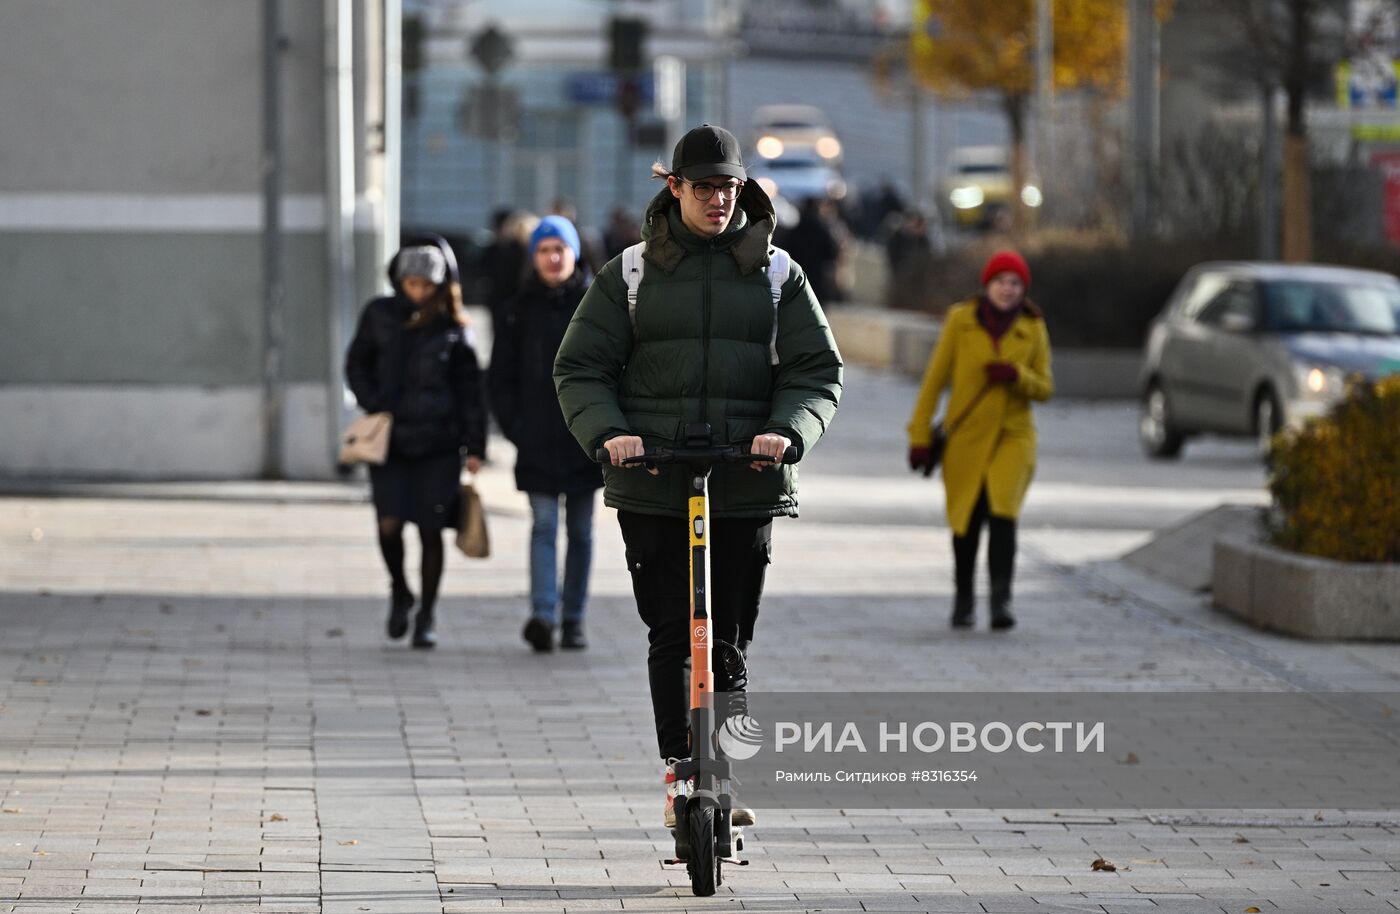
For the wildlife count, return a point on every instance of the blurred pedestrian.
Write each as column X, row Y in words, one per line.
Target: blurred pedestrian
column 908, row 247
column 814, row 244
column 993, row 358
column 505, row 261
column 590, row 241
column 550, row 466
column 693, row 343
column 622, row 232
column 412, row 357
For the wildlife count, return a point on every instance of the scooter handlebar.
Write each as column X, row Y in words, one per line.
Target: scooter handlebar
column 708, row 455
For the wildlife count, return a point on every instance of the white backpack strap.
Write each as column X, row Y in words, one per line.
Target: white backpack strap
column 632, row 266
column 779, row 264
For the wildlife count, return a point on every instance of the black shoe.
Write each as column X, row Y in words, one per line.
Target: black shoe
column 400, row 602
column 540, row 634
column 424, row 636
column 1001, row 607
column 962, row 610
column 571, row 637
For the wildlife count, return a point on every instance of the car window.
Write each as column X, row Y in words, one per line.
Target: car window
column 1236, row 299
column 1206, row 288
column 1294, row 306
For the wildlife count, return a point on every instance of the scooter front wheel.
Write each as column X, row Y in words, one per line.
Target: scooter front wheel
column 701, row 824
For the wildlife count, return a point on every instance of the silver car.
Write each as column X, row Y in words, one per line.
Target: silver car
column 1247, row 348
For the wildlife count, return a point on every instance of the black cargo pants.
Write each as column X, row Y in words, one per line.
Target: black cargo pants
column 658, row 559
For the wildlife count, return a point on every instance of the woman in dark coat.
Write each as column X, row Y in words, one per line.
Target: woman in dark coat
column 412, row 356
column 551, row 466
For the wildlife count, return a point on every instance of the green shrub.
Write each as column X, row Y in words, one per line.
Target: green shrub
column 1336, row 482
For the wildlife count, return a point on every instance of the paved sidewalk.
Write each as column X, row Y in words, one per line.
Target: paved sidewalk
column 199, row 712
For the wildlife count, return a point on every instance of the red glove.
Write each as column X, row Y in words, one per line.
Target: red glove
column 1002, row 373
column 919, row 457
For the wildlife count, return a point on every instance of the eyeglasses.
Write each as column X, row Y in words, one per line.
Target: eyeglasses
column 704, row 190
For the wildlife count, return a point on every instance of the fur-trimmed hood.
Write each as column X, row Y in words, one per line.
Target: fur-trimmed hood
column 748, row 238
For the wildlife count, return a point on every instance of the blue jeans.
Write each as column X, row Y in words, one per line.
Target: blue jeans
column 544, row 563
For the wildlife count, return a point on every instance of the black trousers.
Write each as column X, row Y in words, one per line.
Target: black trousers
column 1001, row 548
column 658, row 559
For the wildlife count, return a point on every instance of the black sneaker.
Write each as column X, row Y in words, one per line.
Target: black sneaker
column 571, row 637
column 540, row 635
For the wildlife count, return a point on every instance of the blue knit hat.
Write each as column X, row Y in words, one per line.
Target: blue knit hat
column 555, row 227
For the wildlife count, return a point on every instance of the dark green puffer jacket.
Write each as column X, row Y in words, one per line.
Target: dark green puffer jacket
column 700, row 353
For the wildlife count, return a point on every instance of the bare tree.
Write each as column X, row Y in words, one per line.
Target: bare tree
column 1292, row 45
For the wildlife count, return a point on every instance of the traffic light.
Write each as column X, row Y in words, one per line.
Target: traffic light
column 411, row 48
column 625, row 47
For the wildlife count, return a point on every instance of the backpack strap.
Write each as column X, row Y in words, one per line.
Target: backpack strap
column 779, row 264
column 632, row 267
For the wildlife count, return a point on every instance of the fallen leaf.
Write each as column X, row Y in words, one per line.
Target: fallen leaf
column 1251, row 910
column 12, row 810
column 1132, row 759
column 38, row 682
column 1317, row 817
column 335, row 633
column 1325, row 884
column 277, row 817
column 37, row 534
column 1100, row 865
column 202, row 712
column 41, row 853
column 1241, row 839
column 349, row 843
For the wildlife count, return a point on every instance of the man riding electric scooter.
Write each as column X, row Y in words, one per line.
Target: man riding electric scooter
column 704, row 323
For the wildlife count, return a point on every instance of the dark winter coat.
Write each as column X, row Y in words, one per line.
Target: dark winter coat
column 521, row 387
column 699, row 351
column 428, row 377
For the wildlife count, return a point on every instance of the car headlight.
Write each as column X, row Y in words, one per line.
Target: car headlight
column 770, row 147
column 1320, row 380
column 828, row 147
column 968, row 197
column 1031, row 196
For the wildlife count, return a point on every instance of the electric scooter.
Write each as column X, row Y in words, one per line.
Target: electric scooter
column 704, row 838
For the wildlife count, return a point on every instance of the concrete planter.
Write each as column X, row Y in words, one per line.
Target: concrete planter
column 1306, row 596
column 902, row 341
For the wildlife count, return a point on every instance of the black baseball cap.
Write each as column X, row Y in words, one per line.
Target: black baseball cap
column 708, row 150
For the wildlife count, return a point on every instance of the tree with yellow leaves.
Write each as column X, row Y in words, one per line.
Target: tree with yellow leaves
column 961, row 46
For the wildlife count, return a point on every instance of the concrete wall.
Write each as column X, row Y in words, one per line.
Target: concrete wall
column 131, row 232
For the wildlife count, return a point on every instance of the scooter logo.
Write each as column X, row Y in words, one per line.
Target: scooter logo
column 740, row 737
column 701, row 633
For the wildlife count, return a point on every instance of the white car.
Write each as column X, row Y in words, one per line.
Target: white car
column 781, row 131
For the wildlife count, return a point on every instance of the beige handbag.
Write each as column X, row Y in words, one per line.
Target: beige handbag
column 366, row 440
column 472, row 537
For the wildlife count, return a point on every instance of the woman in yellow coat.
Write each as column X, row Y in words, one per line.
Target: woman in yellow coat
column 993, row 356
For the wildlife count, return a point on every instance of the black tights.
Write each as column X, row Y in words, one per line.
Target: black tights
column 391, row 545
column 1001, row 547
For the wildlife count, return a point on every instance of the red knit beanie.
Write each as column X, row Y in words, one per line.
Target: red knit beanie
column 1006, row 262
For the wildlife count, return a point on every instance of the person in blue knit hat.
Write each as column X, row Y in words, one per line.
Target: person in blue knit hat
column 550, row 467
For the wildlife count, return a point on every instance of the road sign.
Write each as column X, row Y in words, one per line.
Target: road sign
column 492, row 49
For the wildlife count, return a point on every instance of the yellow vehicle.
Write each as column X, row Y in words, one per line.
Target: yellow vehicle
column 977, row 188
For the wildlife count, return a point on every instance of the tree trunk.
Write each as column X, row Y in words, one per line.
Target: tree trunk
column 1297, row 201
column 1015, row 105
column 1297, row 183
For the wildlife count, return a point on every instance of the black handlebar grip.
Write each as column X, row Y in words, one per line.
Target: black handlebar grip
column 602, row 456
column 790, row 455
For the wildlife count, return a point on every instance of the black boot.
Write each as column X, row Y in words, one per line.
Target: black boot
column 424, row 636
column 540, row 634
column 962, row 609
column 1001, row 605
column 400, row 602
